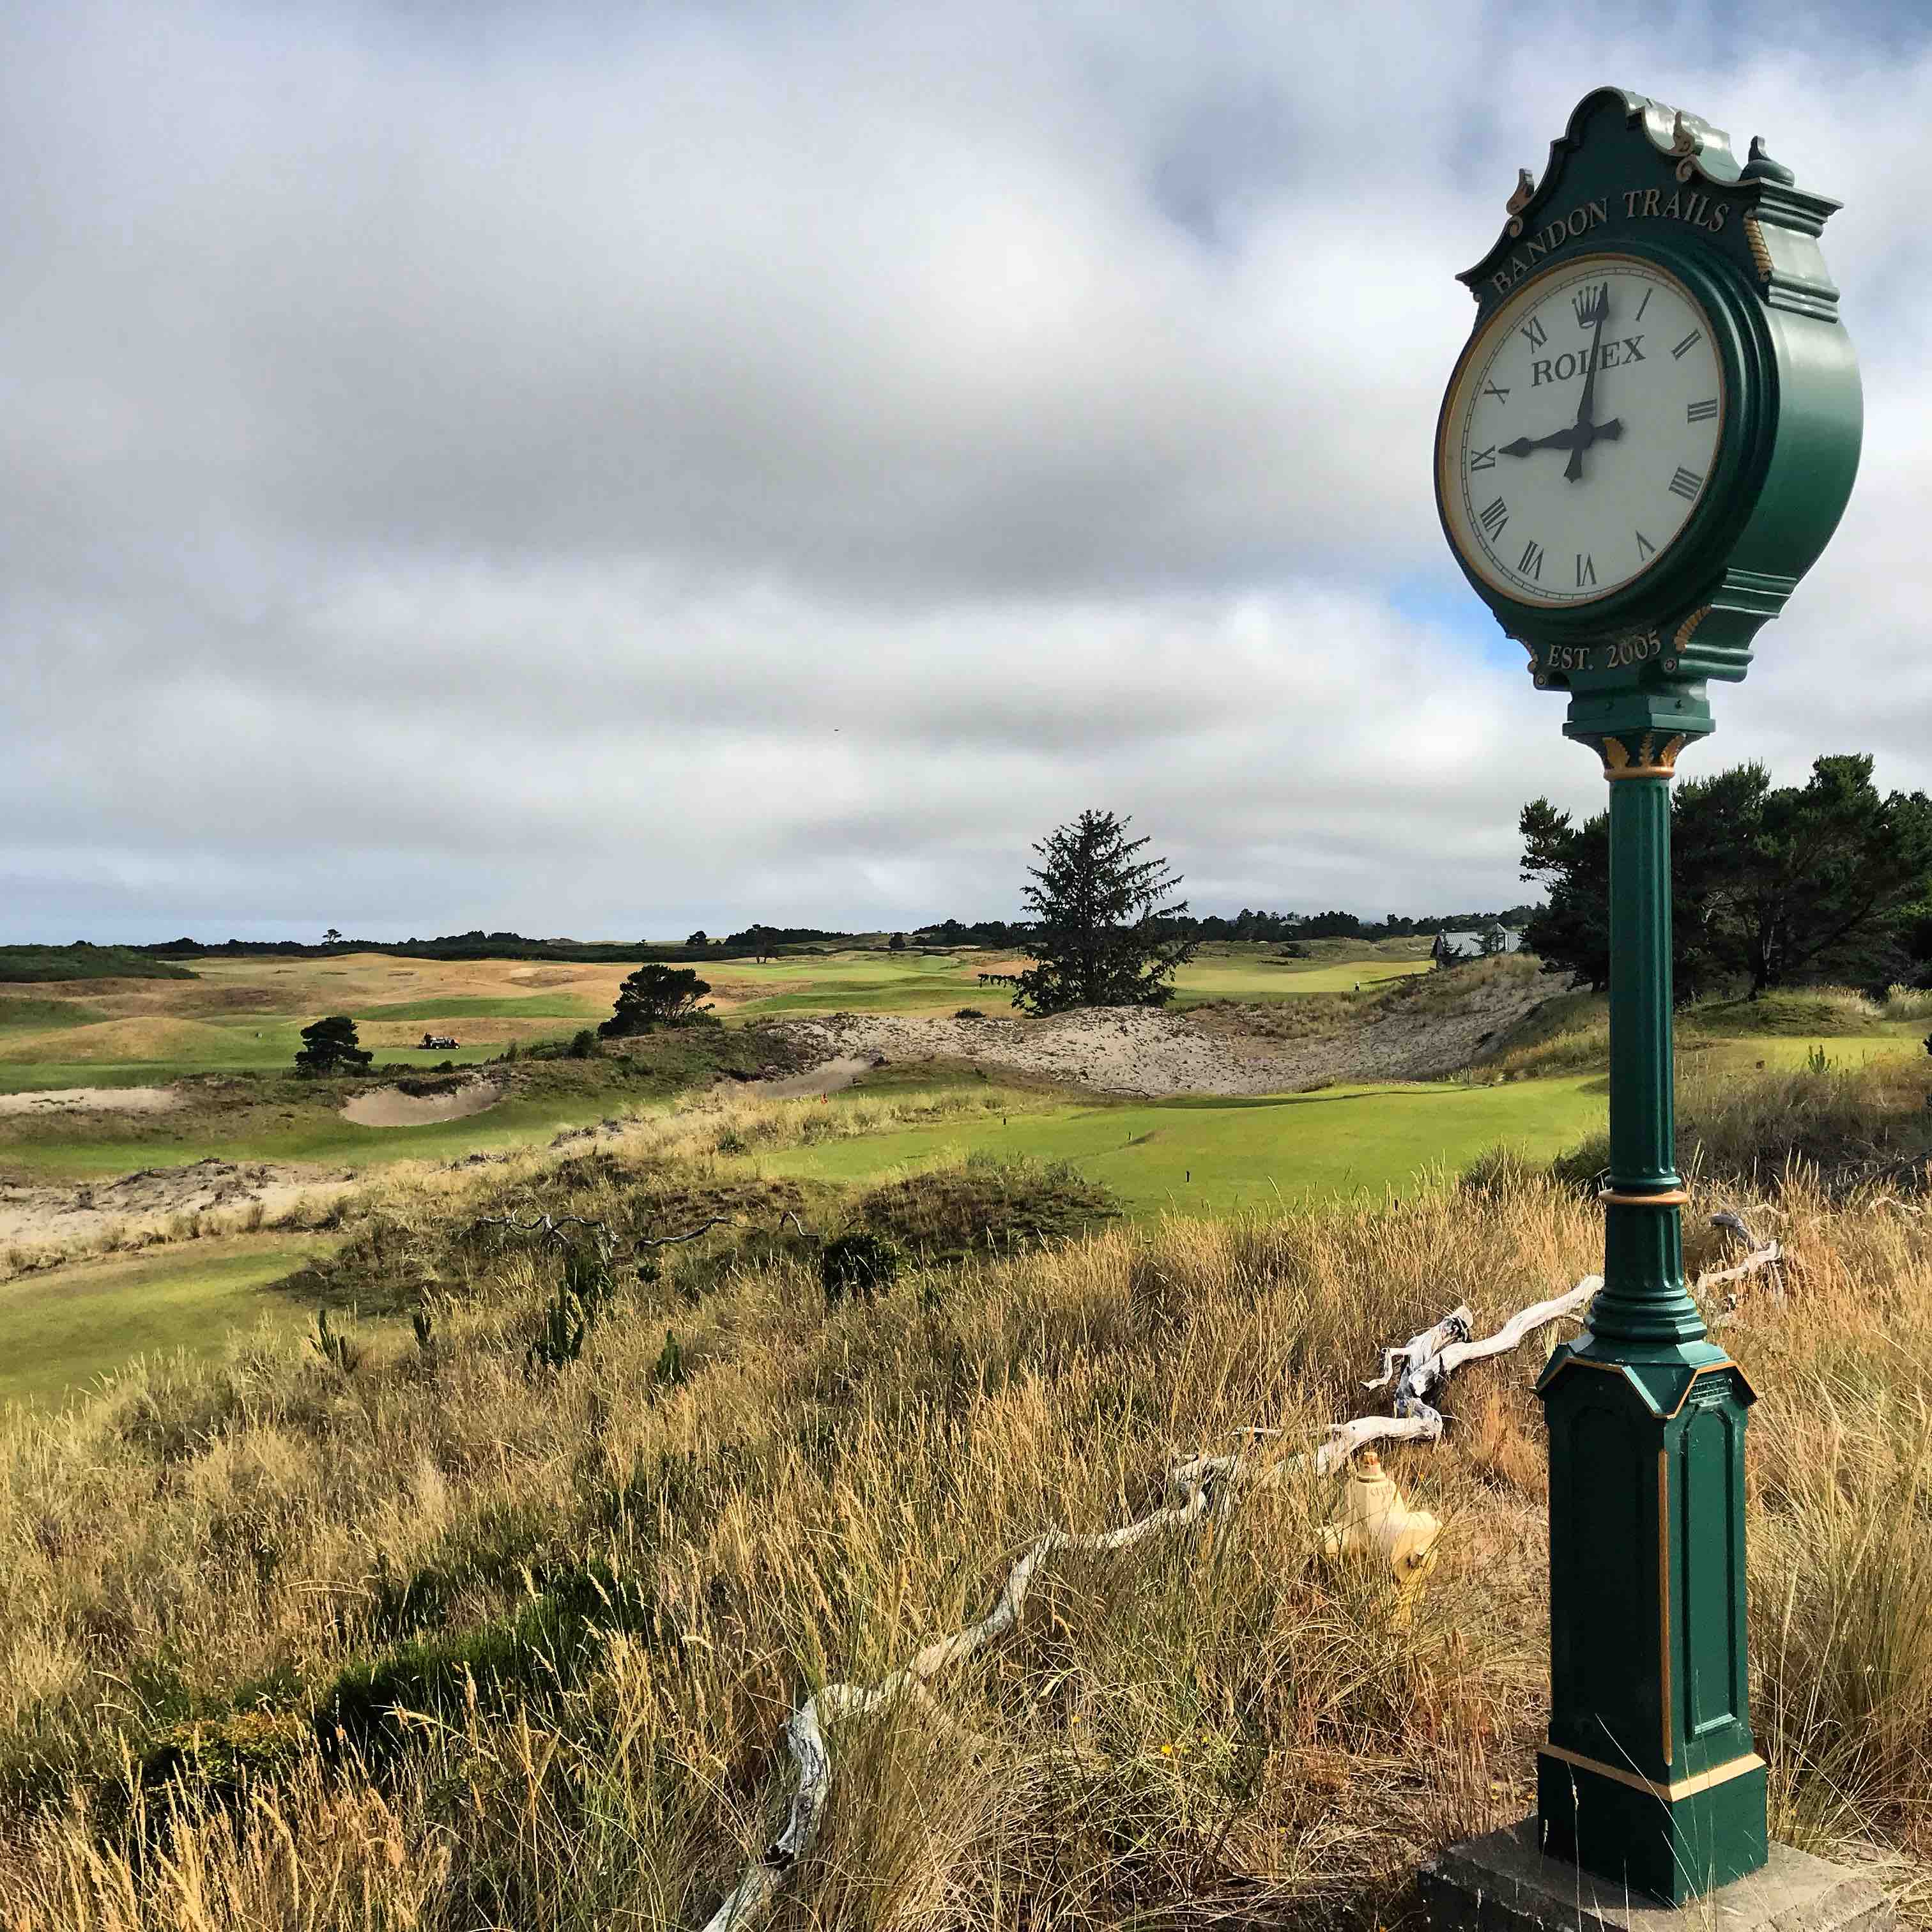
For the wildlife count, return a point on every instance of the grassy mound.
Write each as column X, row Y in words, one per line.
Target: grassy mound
column 1843, row 1127
column 1807, row 1010
column 19, row 1015
column 433, row 1631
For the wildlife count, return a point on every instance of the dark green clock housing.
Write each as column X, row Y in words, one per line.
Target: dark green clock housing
column 1633, row 180
column 1647, row 440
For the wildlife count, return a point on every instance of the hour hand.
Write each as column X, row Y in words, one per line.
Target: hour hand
column 1564, row 439
column 1578, row 436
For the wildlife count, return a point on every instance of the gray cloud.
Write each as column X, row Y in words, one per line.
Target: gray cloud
column 608, row 472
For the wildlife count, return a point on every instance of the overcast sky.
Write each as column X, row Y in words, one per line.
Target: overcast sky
column 607, row 470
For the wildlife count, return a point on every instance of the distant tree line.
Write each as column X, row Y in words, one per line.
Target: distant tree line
column 1247, row 925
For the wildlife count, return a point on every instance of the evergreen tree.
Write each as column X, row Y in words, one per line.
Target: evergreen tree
column 656, row 995
column 330, row 1046
column 1773, row 886
column 1105, row 932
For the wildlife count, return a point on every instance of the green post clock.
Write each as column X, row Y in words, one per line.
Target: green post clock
column 1648, row 439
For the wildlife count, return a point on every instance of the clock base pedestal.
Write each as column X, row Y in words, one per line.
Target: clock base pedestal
column 1504, row 1883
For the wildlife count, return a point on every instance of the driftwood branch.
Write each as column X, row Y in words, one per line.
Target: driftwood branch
column 1764, row 1254
column 672, row 1240
column 1192, row 1488
column 551, row 1227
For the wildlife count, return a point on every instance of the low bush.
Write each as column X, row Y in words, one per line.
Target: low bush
column 986, row 1206
column 858, row 1267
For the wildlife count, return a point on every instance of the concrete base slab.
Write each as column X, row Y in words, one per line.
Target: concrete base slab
column 1502, row 1883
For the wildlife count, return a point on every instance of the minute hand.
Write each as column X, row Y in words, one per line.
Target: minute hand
column 1600, row 313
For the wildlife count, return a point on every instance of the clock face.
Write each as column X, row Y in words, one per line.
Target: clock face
column 1581, row 430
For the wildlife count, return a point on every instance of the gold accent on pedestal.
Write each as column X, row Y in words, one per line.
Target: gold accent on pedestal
column 1675, row 1198
column 1664, row 1594
column 1760, row 254
column 1652, row 761
column 1681, row 1787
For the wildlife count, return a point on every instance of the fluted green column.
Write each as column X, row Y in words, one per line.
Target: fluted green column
column 1650, row 1776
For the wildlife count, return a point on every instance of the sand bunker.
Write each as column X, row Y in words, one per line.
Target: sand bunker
column 92, row 1100
column 390, row 1107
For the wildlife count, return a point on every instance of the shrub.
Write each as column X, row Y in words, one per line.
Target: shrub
column 579, row 1302
column 583, row 1043
column 969, row 1013
column 861, row 1264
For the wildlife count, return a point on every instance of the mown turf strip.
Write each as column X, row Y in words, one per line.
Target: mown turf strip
column 67, row 1327
column 1216, row 1155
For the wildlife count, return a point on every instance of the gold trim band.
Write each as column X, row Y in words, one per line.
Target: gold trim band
column 1641, row 772
column 1663, row 1580
column 1680, row 1787
column 1675, row 1198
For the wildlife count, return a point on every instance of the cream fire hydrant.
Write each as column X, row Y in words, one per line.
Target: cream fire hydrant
column 1377, row 1525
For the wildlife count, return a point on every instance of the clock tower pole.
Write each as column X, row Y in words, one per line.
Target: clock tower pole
column 1649, row 1781
column 1650, row 1775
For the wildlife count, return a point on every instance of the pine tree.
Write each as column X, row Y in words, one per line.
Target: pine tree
column 656, row 995
column 1105, row 932
column 329, row 1046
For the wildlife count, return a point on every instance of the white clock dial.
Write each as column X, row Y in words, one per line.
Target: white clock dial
column 1581, row 431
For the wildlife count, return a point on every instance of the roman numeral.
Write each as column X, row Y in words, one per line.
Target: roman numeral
column 1700, row 412
column 1532, row 565
column 1586, row 570
column 1501, row 395
column 1685, row 483
column 1689, row 343
column 1484, row 459
column 1537, row 334
column 1644, row 547
column 1644, row 304
column 1493, row 518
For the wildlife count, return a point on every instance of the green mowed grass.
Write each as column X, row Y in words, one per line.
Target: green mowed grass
column 1892, row 1040
column 915, row 982
column 537, row 1006
column 875, row 982
column 1215, row 1155
column 308, row 1135
column 241, row 1052
column 67, row 1328
column 1289, row 979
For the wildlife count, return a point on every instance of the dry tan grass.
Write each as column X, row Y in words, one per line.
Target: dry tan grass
column 1215, row 1725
